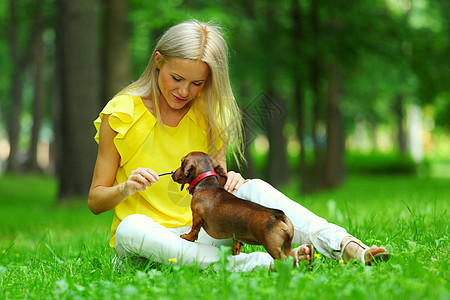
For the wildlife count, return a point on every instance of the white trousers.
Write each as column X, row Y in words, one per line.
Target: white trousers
column 140, row 235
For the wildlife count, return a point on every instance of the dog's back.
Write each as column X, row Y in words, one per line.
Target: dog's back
column 227, row 216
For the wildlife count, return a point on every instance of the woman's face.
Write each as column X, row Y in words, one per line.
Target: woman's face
column 180, row 80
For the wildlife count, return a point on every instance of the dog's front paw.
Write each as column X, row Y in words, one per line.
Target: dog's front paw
column 189, row 237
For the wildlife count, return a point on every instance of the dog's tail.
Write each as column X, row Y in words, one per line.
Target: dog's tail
column 279, row 214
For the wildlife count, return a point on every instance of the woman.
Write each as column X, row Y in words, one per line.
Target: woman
column 183, row 102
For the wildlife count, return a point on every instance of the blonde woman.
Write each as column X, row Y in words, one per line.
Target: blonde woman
column 183, row 102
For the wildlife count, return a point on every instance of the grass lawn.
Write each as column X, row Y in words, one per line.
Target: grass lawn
column 50, row 251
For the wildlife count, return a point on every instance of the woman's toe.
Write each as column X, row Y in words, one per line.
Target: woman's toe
column 303, row 253
column 374, row 251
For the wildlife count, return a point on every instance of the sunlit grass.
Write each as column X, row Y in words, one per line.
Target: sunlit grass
column 48, row 251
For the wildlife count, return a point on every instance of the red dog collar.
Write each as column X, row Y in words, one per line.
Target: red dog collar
column 198, row 178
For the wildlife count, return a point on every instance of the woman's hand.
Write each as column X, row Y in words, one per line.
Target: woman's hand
column 138, row 181
column 234, row 181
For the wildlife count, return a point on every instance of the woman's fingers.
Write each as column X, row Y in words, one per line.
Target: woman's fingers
column 234, row 181
column 139, row 180
column 149, row 176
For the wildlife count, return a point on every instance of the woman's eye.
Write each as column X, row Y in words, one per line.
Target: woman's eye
column 176, row 79
column 197, row 83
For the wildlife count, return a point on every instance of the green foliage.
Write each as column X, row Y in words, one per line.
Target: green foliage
column 48, row 251
column 380, row 163
column 385, row 48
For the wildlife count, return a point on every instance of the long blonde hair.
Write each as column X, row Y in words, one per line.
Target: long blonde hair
column 215, row 104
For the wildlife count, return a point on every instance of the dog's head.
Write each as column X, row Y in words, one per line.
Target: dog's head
column 194, row 164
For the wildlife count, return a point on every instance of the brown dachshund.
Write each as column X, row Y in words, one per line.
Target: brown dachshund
column 224, row 215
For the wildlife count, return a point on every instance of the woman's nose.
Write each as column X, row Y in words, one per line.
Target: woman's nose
column 184, row 90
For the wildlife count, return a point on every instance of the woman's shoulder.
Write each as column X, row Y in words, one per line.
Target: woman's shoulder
column 123, row 103
column 124, row 111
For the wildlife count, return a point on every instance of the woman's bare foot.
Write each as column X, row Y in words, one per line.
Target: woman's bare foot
column 303, row 253
column 354, row 250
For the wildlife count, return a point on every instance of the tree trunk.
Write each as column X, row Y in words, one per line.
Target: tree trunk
column 373, row 126
column 334, row 170
column 277, row 171
column 117, row 54
column 399, row 113
column 56, row 148
column 299, row 101
column 13, row 118
column 37, row 103
column 298, row 39
column 80, row 94
column 13, row 121
column 315, row 69
column 21, row 59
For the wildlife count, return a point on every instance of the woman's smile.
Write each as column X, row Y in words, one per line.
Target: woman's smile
column 179, row 99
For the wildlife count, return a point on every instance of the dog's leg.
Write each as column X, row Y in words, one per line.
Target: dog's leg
column 274, row 241
column 237, row 246
column 288, row 236
column 197, row 223
column 274, row 251
column 273, row 244
column 287, row 248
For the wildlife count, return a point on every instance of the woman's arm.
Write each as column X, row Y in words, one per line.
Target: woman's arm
column 234, row 180
column 103, row 195
column 221, row 157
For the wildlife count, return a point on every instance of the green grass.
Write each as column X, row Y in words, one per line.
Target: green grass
column 49, row 251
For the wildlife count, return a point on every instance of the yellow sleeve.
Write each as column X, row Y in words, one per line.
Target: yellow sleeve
column 124, row 112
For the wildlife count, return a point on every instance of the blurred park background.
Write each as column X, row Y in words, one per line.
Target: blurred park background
column 328, row 88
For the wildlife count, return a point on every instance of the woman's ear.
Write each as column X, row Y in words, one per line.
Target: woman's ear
column 158, row 59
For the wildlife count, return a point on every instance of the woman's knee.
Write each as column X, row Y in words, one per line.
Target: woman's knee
column 253, row 190
column 253, row 185
column 131, row 231
column 257, row 183
column 130, row 223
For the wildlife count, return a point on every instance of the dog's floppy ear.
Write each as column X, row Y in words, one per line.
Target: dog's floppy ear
column 220, row 171
column 188, row 169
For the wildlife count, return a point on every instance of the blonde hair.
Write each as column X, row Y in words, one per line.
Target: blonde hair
column 215, row 105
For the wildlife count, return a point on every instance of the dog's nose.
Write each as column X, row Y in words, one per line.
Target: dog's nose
column 175, row 175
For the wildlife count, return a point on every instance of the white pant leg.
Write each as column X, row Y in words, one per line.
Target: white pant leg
column 308, row 227
column 140, row 235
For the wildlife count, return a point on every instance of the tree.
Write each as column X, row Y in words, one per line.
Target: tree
column 20, row 58
column 79, row 95
column 298, row 46
column 315, row 64
column 270, row 35
column 38, row 101
column 16, row 90
column 117, row 59
column 334, row 163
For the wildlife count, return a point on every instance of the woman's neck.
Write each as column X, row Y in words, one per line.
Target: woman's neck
column 170, row 117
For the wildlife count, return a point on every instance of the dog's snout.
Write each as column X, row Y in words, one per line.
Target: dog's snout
column 176, row 175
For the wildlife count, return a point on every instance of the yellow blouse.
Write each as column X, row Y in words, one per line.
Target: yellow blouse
column 142, row 142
